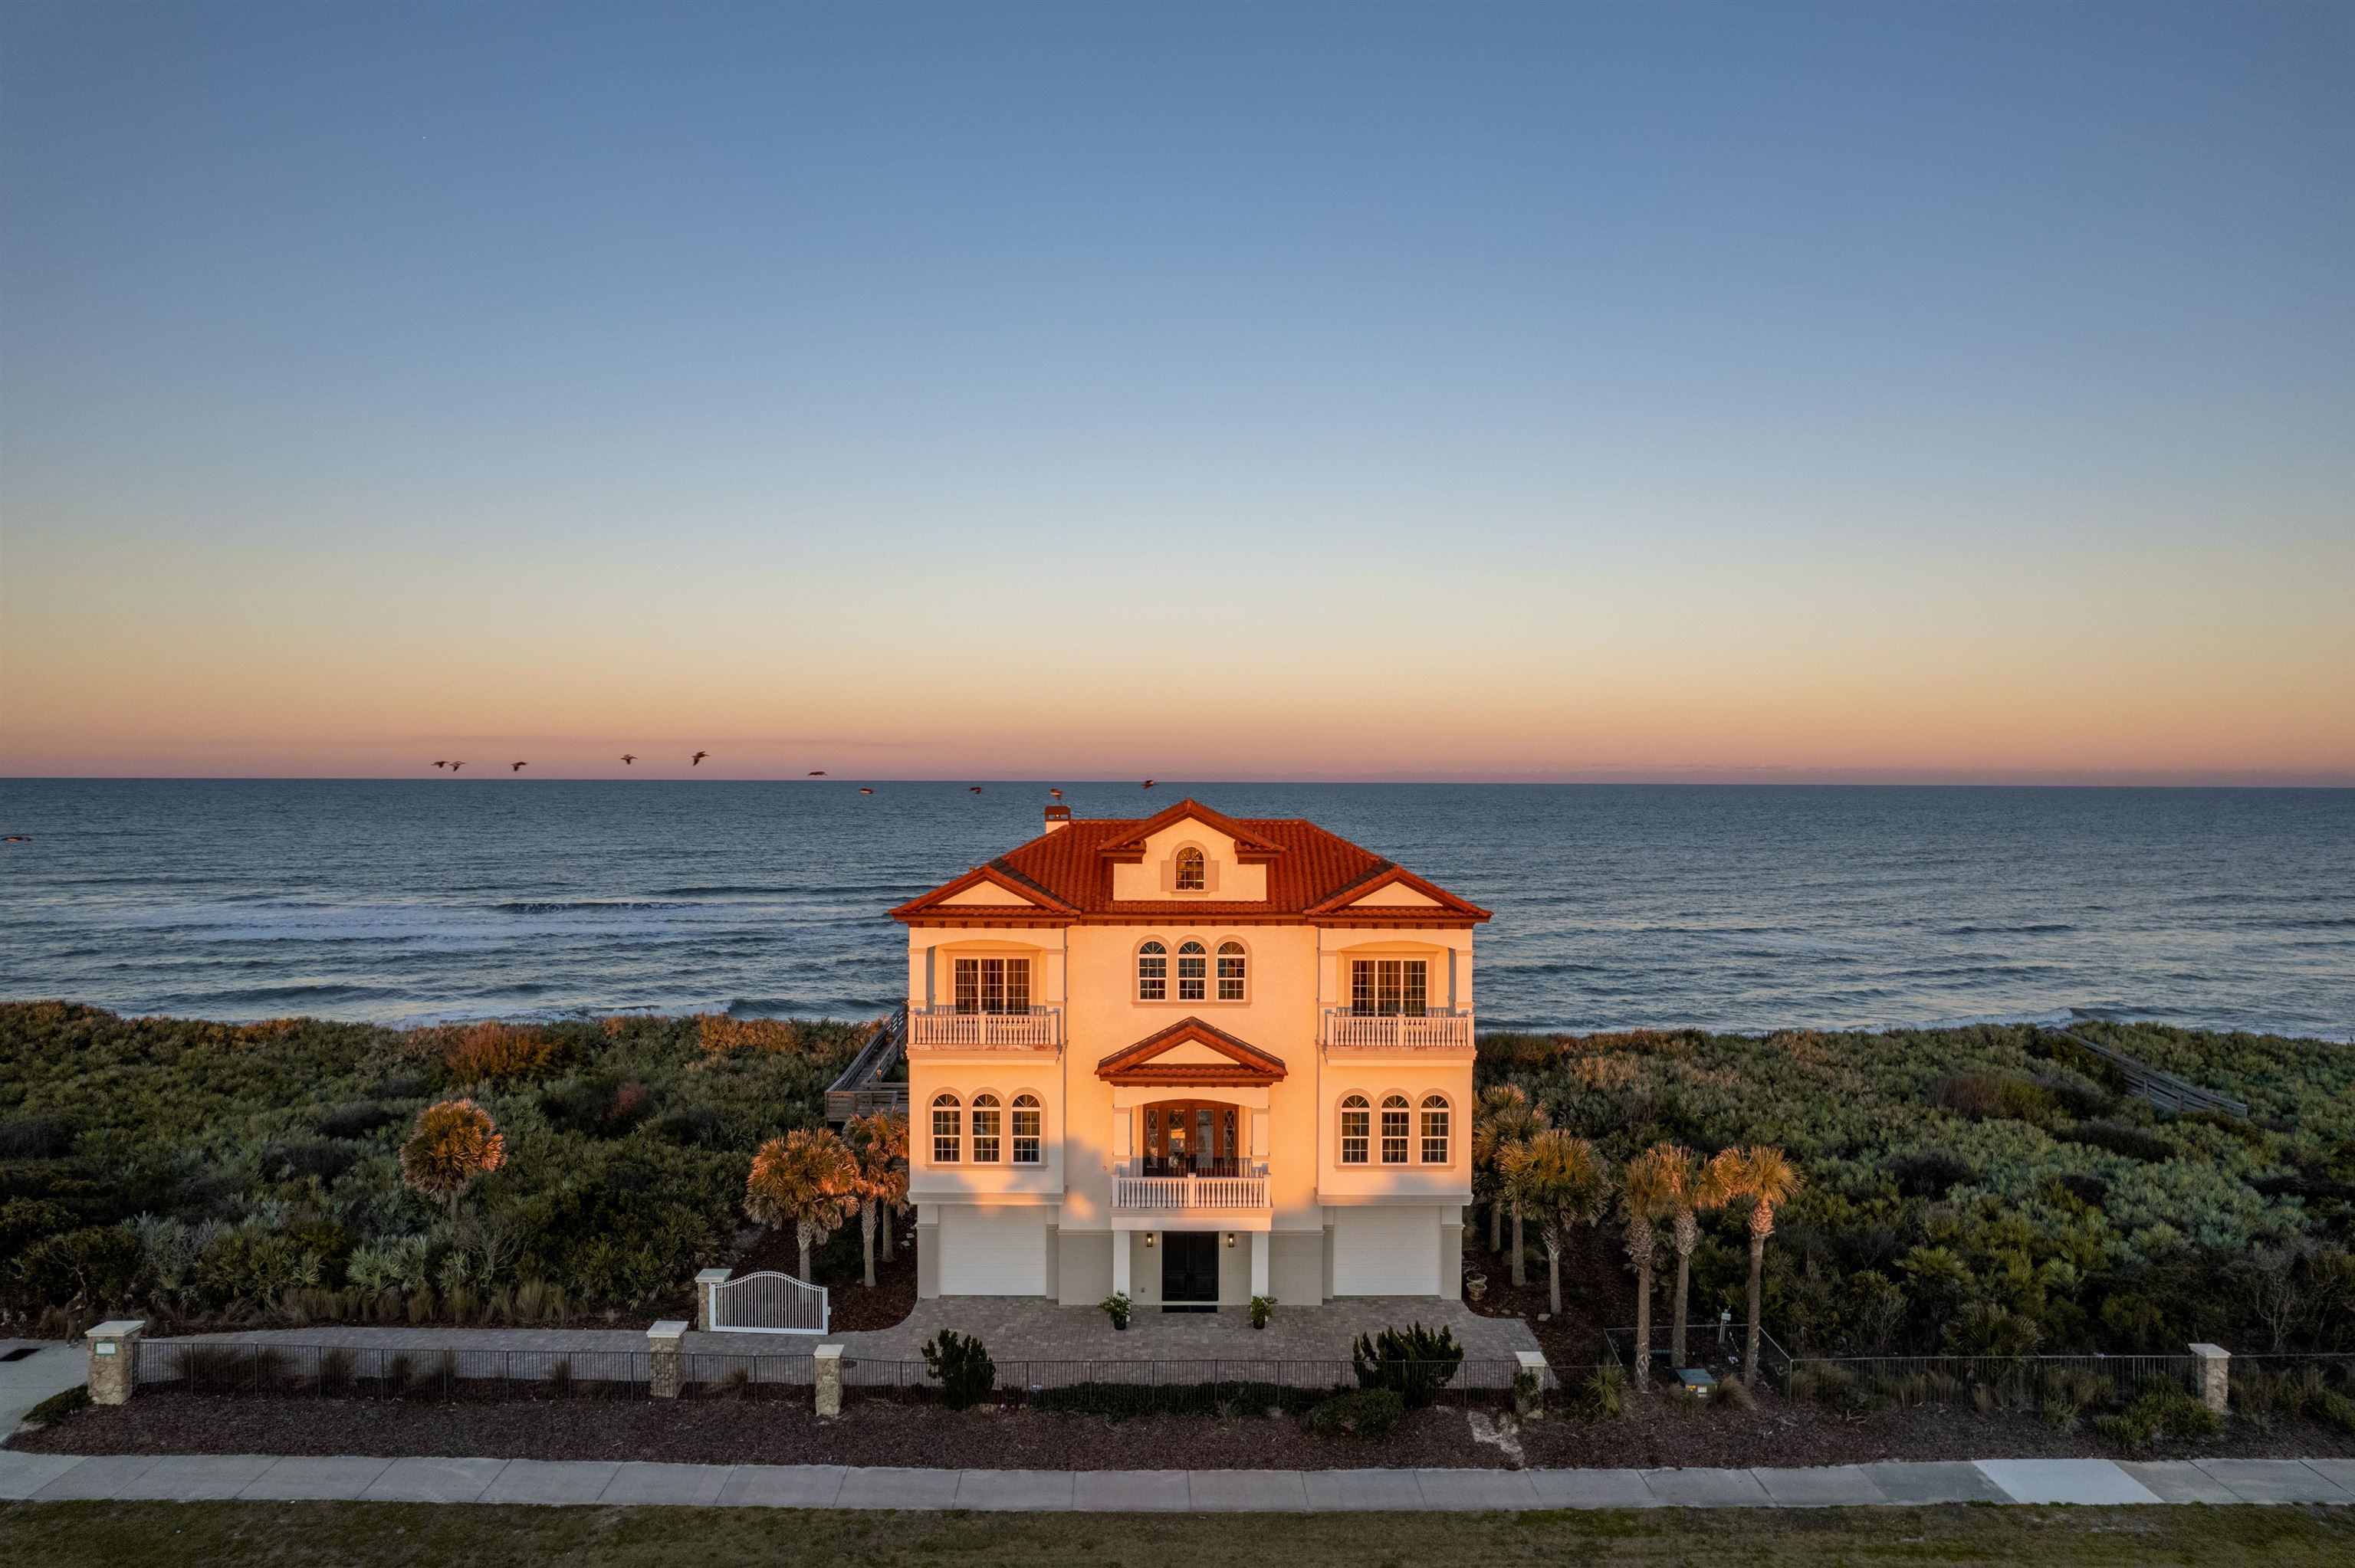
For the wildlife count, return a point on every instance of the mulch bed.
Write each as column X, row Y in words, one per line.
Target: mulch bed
column 880, row 1431
column 1594, row 1286
column 841, row 1266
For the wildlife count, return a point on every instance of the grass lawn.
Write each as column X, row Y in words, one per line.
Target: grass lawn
column 389, row 1535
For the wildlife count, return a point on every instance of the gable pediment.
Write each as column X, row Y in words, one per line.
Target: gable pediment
column 985, row 888
column 1396, row 896
column 1191, row 1051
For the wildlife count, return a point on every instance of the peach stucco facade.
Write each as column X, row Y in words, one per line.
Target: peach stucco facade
column 1159, row 1058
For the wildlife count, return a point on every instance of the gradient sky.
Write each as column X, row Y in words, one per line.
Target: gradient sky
column 1340, row 391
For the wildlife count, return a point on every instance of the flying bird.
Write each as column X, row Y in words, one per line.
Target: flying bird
column 867, row 791
column 697, row 761
column 975, row 787
column 455, row 765
column 517, row 767
column 1057, row 793
column 1148, row 783
column 442, row 765
column 817, row 773
column 627, row 758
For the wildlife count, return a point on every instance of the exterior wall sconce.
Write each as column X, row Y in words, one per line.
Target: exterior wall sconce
column 1150, row 1238
column 1231, row 1239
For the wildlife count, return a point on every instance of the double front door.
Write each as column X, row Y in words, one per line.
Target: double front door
column 1186, row 1136
column 1189, row 1270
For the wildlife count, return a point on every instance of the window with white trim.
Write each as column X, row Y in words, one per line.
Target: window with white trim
column 1152, row 972
column 1394, row 1123
column 1357, row 1118
column 1193, row 971
column 984, row 1129
column 1434, row 1130
column 993, row 985
column 1231, row 971
column 1027, row 1120
column 1389, row 988
column 1190, row 877
column 948, row 1124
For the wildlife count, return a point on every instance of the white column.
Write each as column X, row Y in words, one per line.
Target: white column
column 1123, row 1243
column 1259, row 1264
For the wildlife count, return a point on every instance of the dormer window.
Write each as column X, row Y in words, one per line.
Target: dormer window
column 1191, row 876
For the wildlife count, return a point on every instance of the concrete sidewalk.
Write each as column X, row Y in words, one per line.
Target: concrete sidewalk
column 49, row 1477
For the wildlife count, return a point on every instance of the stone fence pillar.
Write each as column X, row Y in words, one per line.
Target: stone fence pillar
column 666, row 1343
column 2215, row 1377
column 1529, row 1385
column 826, row 1363
column 114, row 1360
column 703, row 1284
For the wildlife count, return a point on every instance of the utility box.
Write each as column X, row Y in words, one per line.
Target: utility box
column 1697, row 1383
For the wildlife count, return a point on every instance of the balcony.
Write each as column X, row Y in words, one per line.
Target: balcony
column 1141, row 1187
column 1435, row 1029
column 947, row 1029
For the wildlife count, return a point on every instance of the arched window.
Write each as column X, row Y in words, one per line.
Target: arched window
column 1152, row 972
column 1026, row 1129
column 1231, row 971
column 1394, row 1121
column 1434, row 1130
column 1190, row 876
column 948, row 1120
column 1193, row 971
column 1356, row 1116
column 984, row 1129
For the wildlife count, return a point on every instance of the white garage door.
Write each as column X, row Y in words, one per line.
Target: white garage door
column 1385, row 1252
column 993, row 1252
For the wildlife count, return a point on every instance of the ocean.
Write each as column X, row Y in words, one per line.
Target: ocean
column 1725, row 908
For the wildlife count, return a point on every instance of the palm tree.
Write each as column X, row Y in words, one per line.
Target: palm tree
column 1699, row 1187
column 811, row 1179
column 1563, row 1181
column 879, row 1143
column 1507, row 1117
column 1646, row 1196
column 1764, row 1175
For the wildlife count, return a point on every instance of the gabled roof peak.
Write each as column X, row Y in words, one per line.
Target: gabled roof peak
column 1248, row 844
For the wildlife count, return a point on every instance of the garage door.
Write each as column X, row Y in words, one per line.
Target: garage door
column 993, row 1252
column 1385, row 1252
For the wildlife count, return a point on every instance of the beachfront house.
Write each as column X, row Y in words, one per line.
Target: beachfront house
column 1191, row 1058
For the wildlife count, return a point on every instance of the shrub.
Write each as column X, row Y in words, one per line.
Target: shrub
column 1370, row 1413
column 57, row 1406
column 355, row 1119
column 1932, row 1173
column 1117, row 1306
column 1262, row 1307
column 717, row 1033
column 2336, row 1409
column 960, row 1364
column 37, row 1138
column 488, row 1053
column 1605, row 1397
column 1983, row 1096
column 2134, row 1142
column 1416, row 1363
column 2161, row 1414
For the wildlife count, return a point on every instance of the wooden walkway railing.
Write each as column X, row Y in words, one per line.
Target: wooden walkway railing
column 2164, row 1090
column 862, row 1089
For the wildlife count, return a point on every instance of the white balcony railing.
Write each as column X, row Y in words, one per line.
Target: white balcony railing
column 1175, row 1194
column 1439, row 1029
column 946, row 1029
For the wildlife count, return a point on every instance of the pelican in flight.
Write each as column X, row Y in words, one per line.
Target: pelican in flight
column 517, row 767
column 975, row 787
column 443, row 764
column 817, row 773
column 455, row 765
column 628, row 758
column 1148, row 783
column 1057, row 793
column 867, row 791
column 697, row 761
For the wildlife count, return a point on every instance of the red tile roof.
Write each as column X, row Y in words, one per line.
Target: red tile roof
column 1245, row 1063
column 1312, row 874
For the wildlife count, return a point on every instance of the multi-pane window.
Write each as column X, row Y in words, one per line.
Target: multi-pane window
column 1152, row 972
column 1394, row 1122
column 1025, row 1119
column 1388, row 988
column 1434, row 1130
column 984, row 1129
column 993, row 985
column 1190, row 877
column 1356, row 1126
column 947, row 1130
column 1231, row 971
column 1193, row 972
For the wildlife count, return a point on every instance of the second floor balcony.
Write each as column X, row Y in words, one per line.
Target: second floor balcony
column 1434, row 1028
column 1168, row 1187
column 960, row 1029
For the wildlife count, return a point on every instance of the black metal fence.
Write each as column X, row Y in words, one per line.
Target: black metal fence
column 368, row 1371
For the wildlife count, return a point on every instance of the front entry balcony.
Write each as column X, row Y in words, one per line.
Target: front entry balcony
column 962, row 1029
column 1153, row 1186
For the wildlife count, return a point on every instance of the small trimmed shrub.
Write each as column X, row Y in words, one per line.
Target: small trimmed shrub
column 1414, row 1362
column 1371, row 1413
column 2162, row 1413
column 960, row 1364
column 57, row 1406
column 1605, row 1394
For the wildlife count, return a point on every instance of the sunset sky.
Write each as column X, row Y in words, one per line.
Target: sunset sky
column 1893, row 392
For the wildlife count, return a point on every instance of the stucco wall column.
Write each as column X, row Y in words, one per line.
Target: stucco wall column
column 1259, row 1264
column 1124, row 1243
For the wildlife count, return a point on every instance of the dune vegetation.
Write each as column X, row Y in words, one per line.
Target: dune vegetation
column 1991, row 1190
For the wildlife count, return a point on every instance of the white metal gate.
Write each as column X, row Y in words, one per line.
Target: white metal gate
column 768, row 1304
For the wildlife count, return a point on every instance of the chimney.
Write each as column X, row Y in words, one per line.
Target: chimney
column 1058, row 817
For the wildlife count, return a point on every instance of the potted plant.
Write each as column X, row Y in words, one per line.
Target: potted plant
column 1262, row 1307
column 1475, row 1286
column 1116, row 1306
